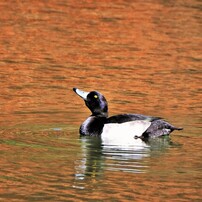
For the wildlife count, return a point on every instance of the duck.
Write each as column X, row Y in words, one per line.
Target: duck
column 124, row 127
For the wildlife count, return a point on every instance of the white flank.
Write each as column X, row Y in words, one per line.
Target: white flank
column 124, row 133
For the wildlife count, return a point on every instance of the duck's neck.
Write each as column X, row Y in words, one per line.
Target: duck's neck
column 100, row 114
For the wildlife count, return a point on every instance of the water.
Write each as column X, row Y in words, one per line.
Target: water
column 144, row 56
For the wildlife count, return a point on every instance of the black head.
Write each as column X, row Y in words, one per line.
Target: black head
column 95, row 101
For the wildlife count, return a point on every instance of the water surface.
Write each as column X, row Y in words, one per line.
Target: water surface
column 144, row 56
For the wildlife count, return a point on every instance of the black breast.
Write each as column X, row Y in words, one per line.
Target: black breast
column 93, row 126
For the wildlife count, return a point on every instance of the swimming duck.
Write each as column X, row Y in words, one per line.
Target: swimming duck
column 124, row 125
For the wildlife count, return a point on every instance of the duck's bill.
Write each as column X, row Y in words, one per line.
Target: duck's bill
column 81, row 93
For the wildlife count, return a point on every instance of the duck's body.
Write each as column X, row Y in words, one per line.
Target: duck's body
column 130, row 125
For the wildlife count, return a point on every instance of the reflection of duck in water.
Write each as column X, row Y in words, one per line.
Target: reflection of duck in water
column 97, row 158
column 90, row 165
column 123, row 128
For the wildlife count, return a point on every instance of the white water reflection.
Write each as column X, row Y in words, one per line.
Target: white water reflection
column 97, row 157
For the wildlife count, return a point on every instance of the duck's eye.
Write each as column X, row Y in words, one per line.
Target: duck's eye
column 95, row 96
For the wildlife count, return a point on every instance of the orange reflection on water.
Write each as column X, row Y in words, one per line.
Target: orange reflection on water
column 144, row 56
column 143, row 53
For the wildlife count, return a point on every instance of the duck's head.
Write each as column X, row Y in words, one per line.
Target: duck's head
column 95, row 101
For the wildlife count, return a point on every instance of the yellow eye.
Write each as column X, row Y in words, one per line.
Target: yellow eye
column 95, row 96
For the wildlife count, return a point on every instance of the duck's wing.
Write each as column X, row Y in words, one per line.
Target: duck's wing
column 122, row 118
column 159, row 128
